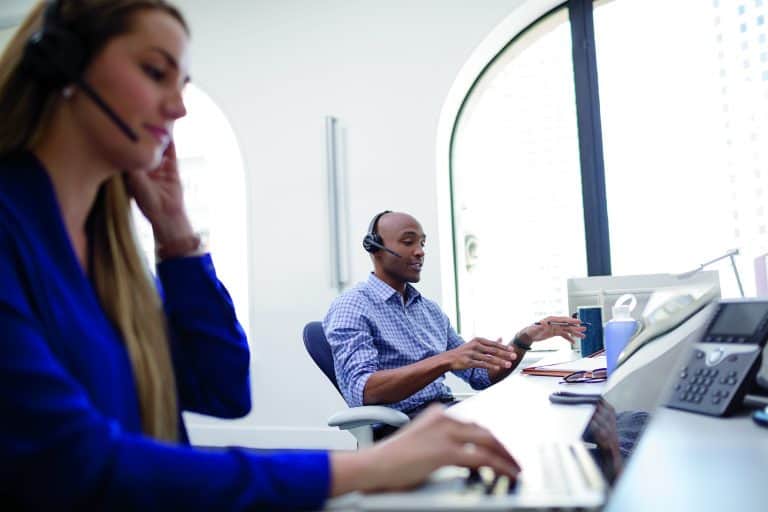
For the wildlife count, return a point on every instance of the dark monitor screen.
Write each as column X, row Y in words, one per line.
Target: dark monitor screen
column 739, row 319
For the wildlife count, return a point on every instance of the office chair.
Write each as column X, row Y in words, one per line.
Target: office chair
column 358, row 421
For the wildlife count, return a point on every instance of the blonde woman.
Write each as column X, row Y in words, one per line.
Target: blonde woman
column 95, row 366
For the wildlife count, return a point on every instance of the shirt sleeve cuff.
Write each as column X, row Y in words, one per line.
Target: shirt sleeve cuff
column 292, row 480
column 199, row 268
column 479, row 378
column 189, row 281
column 356, row 395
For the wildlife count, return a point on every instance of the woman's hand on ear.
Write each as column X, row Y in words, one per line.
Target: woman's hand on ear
column 159, row 196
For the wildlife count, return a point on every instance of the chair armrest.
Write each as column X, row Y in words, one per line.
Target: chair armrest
column 367, row 415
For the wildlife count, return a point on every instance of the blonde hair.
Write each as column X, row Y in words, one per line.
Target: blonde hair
column 123, row 283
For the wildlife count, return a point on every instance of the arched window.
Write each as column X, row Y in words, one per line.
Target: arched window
column 214, row 184
column 683, row 102
column 519, row 229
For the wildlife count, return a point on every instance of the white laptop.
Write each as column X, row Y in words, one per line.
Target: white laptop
column 555, row 474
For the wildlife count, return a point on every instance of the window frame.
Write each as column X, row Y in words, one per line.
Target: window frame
column 589, row 130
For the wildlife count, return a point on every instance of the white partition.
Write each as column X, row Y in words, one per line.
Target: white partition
column 651, row 290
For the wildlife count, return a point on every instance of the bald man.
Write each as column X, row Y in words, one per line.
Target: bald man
column 392, row 346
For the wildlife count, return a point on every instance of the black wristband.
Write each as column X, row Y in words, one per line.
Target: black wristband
column 519, row 344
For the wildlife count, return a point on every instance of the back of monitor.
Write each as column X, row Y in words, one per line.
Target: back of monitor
column 649, row 289
column 664, row 301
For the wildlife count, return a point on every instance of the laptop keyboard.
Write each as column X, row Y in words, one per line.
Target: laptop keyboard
column 553, row 477
column 557, row 472
column 549, row 472
column 485, row 481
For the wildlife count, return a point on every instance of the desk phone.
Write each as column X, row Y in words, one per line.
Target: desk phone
column 721, row 368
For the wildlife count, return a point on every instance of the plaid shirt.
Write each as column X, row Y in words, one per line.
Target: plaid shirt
column 371, row 328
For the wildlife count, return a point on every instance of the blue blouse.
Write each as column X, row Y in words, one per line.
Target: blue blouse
column 70, row 426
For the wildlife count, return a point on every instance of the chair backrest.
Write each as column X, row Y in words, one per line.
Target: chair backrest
column 319, row 350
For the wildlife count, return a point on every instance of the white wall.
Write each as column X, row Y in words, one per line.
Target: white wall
column 5, row 36
column 276, row 68
column 11, row 14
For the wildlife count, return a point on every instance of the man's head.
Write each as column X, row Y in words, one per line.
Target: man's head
column 401, row 234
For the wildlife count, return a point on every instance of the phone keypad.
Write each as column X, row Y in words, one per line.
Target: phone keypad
column 695, row 386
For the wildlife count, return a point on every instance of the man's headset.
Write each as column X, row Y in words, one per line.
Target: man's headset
column 372, row 241
column 57, row 56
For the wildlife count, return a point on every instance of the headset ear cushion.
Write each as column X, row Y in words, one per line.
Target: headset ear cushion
column 372, row 241
column 367, row 244
column 54, row 56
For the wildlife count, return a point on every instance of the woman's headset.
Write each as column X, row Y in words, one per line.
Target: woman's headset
column 55, row 54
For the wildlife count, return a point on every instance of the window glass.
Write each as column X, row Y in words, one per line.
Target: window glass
column 516, row 184
column 683, row 92
column 214, row 191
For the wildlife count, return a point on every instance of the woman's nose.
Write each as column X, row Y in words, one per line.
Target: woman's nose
column 174, row 107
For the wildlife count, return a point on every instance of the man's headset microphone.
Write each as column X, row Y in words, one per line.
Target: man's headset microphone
column 372, row 241
column 57, row 56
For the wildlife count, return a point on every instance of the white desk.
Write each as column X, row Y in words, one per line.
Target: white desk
column 518, row 412
column 684, row 461
column 687, row 461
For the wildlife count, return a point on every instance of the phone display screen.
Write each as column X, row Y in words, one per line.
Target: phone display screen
column 739, row 319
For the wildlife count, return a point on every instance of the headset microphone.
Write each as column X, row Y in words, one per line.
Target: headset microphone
column 111, row 114
column 387, row 249
column 57, row 56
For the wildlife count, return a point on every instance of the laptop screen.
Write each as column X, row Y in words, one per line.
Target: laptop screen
column 611, row 437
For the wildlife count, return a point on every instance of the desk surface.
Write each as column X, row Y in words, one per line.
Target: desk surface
column 687, row 461
column 684, row 461
column 518, row 411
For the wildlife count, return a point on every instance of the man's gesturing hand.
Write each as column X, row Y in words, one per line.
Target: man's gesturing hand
column 481, row 353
